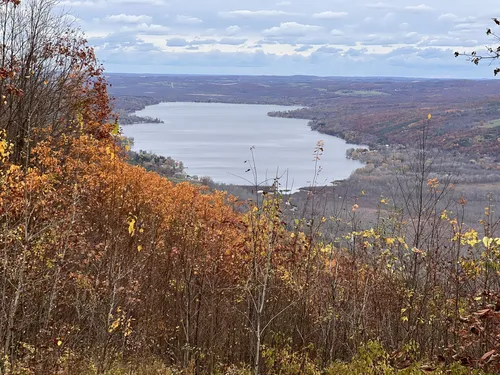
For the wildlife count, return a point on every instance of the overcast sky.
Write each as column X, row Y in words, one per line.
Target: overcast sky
column 318, row 37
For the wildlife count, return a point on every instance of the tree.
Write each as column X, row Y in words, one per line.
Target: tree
column 48, row 75
column 492, row 53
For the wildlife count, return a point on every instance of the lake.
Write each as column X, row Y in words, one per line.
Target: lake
column 215, row 140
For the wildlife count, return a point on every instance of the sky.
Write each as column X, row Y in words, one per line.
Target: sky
column 406, row 38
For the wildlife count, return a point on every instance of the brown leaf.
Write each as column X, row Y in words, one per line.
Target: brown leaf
column 427, row 368
column 488, row 354
column 464, row 319
column 482, row 313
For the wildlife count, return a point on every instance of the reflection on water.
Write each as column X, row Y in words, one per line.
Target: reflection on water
column 214, row 140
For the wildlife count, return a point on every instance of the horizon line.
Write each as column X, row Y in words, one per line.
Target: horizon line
column 300, row 75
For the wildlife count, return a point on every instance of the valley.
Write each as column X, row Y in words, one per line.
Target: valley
column 387, row 114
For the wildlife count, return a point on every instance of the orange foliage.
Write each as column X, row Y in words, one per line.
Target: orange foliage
column 66, row 224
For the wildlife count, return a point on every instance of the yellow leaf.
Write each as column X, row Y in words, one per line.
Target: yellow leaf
column 131, row 226
column 114, row 325
column 110, row 152
column 390, row 241
column 487, row 242
column 59, row 342
column 116, row 129
column 139, row 248
column 429, row 116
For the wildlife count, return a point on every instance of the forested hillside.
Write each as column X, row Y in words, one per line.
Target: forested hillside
column 106, row 268
column 365, row 110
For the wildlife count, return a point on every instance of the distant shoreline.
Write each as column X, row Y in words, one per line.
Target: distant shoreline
column 351, row 139
column 268, row 111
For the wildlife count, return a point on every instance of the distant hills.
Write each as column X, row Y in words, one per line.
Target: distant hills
column 368, row 110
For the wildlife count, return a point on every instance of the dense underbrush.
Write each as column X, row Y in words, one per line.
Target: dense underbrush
column 104, row 263
column 106, row 268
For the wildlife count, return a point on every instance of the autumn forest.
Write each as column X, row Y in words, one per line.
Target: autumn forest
column 106, row 268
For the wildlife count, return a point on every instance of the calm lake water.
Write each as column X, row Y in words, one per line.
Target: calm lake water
column 214, row 140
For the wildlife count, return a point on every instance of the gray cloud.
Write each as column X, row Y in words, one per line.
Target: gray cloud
column 233, row 41
column 329, row 50
column 303, row 48
column 258, row 36
column 200, row 42
column 177, row 42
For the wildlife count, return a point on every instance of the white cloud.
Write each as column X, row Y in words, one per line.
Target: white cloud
column 280, row 27
column 70, row 3
column 419, row 8
column 69, row 18
column 336, row 32
column 379, row 6
column 255, row 13
column 329, row 15
column 468, row 26
column 104, row 3
column 448, row 17
column 446, row 41
column 140, row 2
column 291, row 29
column 145, row 28
column 127, row 18
column 187, row 20
column 389, row 17
column 231, row 30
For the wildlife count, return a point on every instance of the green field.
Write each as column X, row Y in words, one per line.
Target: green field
column 492, row 124
column 360, row 93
